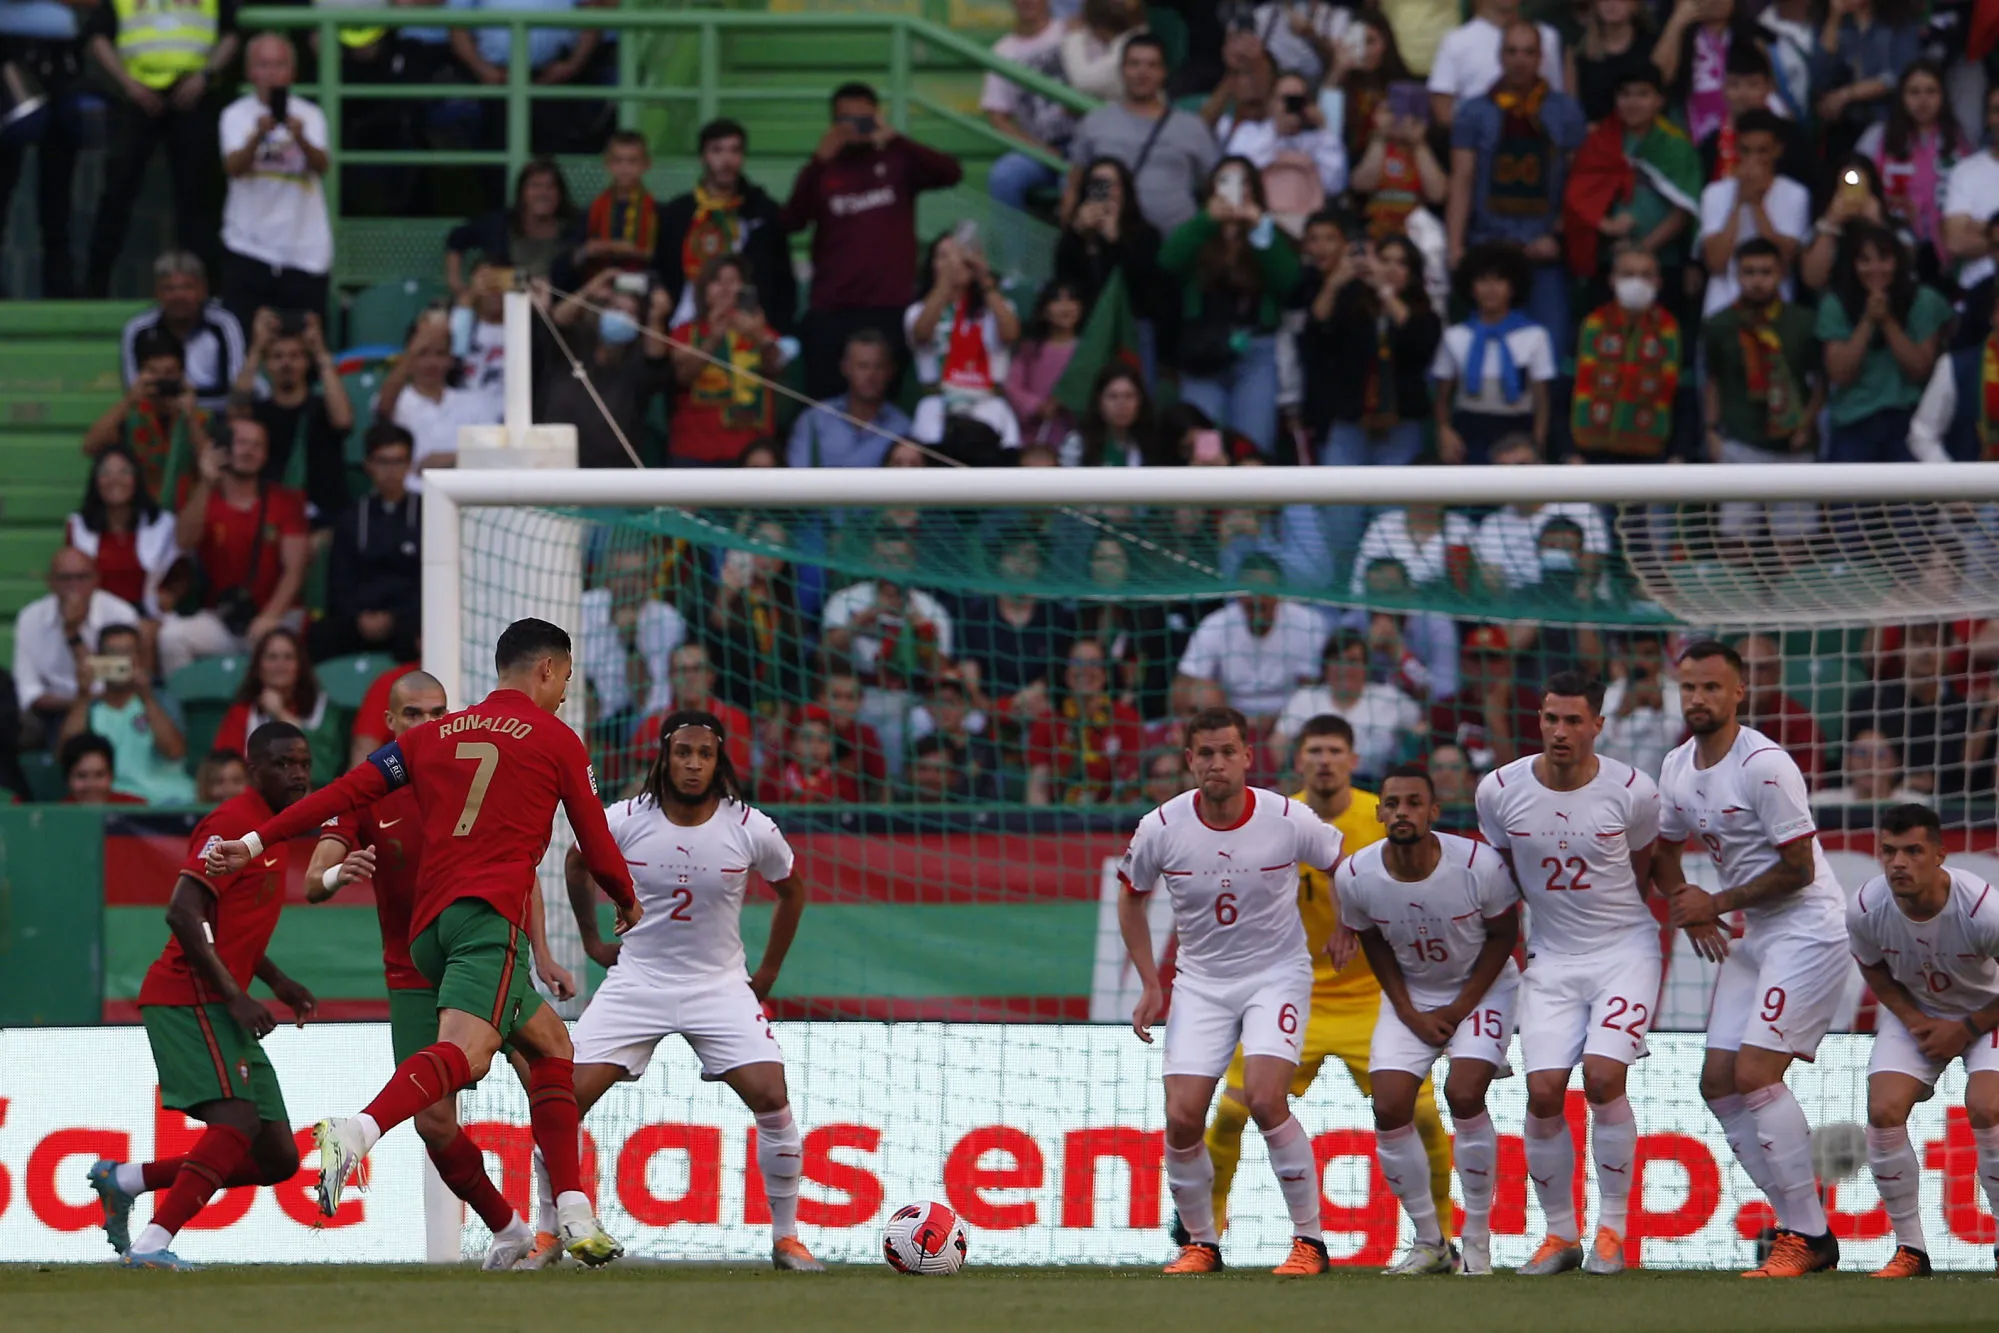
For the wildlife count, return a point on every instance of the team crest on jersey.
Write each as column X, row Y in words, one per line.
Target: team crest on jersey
column 243, row 1070
column 214, row 841
column 590, row 771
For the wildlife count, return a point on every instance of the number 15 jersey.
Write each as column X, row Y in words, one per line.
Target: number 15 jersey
column 1572, row 853
column 691, row 882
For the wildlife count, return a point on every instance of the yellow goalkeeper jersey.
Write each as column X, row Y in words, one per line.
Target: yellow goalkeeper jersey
column 1358, row 827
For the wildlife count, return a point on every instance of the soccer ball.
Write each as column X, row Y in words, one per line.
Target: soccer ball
column 924, row 1239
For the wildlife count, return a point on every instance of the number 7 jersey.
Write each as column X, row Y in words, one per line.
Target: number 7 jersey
column 1572, row 853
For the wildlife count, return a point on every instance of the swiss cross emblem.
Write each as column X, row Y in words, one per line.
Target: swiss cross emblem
column 1563, row 844
column 681, row 878
column 1226, row 883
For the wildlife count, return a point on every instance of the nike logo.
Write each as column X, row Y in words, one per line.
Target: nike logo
column 389, row 823
column 272, row 862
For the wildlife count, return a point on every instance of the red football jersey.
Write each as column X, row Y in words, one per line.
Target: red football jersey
column 487, row 781
column 247, row 906
column 393, row 826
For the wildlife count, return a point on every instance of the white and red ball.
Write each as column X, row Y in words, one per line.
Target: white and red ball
column 924, row 1239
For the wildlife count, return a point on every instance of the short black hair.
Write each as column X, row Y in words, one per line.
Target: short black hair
column 1339, row 642
column 1147, row 40
column 385, row 435
column 124, row 629
column 627, row 139
column 931, row 743
column 1576, row 685
column 157, row 341
column 1327, row 724
column 1415, row 772
column 719, row 129
column 1647, row 73
column 1702, row 649
column 1747, row 58
column 1218, row 718
column 1907, row 818
column 269, row 737
column 80, row 747
column 1760, row 120
column 527, row 641
column 1332, row 216
column 1497, row 259
column 857, row 91
column 1758, row 247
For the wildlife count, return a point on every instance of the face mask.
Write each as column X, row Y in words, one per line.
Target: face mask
column 1557, row 560
column 462, row 322
column 617, row 328
column 1635, row 293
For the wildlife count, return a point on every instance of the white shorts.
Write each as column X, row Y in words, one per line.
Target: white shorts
column 1266, row 1014
column 1779, row 992
column 721, row 1019
column 1603, row 1003
column 1895, row 1052
column 1485, row 1034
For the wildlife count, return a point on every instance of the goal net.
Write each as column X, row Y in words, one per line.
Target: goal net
column 957, row 690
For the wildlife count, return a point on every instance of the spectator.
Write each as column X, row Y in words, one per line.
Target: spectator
column 1010, row 641
column 374, row 584
column 1493, row 719
column 1493, row 370
column 209, row 337
column 1768, row 709
column 961, row 330
column 1398, row 172
column 1749, row 83
column 1169, row 153
column 1386, row 722
column 1165, row 776
column 1118, row 430
column 936, row 777
column 1952, row 421
column 1186, row 698
column 1417, row 652
column 1922, row 712
column 1143, row 639
column 1882, row 332
column 555, row 56
column 756, row 632
column 1764, row 388
column 1471, row 60
column 1627, row 367
column 1614, row 46
column 726, row 213
column 89, row 772
column 691, row 679
column 1508, row 540
column 1313, row 37
column 121, row 527
column 1085, row 750
column 881, row 617
column 1916, row 148
column 721, row 361
column 222, row 776
column 857, row 747
column 1246, row 94
column 308, row 430
column 530, row 235
column 808, row 775
column 1790, row 29
column 1857, row 199
column 141, row 726
column 1451, row 774
column 1872, row 768
column 277, row 240
column 370, row 731
column 1692, row 58
column 1047, row 344
column 47, row 41
column 1036, row 44
column 824, row 436
column 620, row 229
column 1971, row 203
column 1105, row 236
column 1237, row 271
column 629, row 632
column 1432, row 547
column 950, row 720
column 53, row 631
column 1510, row 152
column 419, row 394
column 618, row 341
column 1865, row 44
column 1303, row 162
column 249, row 539
column 163, row 68
column 858, row 194
column 279, row 685
column 1754, row 202
column 1092, row 46
column 1641, row 707
column 1259, row 648
column 1635, row 182
column 159, row 420
column 1356, row 89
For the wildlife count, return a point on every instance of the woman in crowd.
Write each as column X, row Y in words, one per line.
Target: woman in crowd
column 1692, row 57
column 1105, row 236
column 123, row 528
column 279, row 685
column 1856, row 199
column 962, row 330
column 528, row 234
column 1867, row 44
column 1615, row 42
column 1882, row 330
column 721, row 360
column 1359, row 84
column 1093, row 46
column 1914, row 150
column 424, row 394
column 1492, row 370
column 1303, row 162
column 1400, row 175
column 1038, row 364
column 1118, row 430
column 1236, row 268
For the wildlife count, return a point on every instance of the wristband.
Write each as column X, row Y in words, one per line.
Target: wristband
column 254, row 843
column 331, row 879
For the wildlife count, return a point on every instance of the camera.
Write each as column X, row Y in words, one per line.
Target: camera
column 1097, row 191
column 632, row 284
column 746, row 298
column 281, row 104
column 291, row 323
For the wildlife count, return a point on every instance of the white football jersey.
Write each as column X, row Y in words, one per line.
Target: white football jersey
column 1436, row 926
column 1950, row 963
column 691, row 882
column 1234, row 890
column 1743, row 810
column 1572, row 853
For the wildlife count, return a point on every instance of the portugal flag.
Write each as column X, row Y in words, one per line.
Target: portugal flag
column 1605, row 176
column 1109, row 336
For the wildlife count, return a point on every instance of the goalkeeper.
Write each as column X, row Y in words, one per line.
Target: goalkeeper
column 1344, row 999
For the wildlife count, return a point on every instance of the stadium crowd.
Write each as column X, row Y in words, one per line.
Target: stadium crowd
column 1713, row 232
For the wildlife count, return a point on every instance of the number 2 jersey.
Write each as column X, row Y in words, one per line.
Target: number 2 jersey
column 487, row 780
column 1947, row 962
column 1572, row 853
column 1234, row 890
column 393, row 826
column 1434, row 926
column 691, row 882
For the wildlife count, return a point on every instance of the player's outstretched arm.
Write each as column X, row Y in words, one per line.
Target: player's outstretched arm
column 583, row 903
column 1669, row 877
column 791, row 894
column 1137, row 932
column 191, row 918
column 360, row 786
column 1502, row 934
column 292, row 994
column 334, row 865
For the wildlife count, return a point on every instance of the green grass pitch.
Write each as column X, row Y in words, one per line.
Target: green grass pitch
column 334, row 1299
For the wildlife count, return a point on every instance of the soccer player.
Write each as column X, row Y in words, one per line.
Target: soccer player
column 1345, row 999
column 1228, row 854
column 1926, row 937
column 362, row 847
column 487, row 780
column 1737, row 792
column 693, row 841
column 204, row 1025
column 1575, row 829
column 1437, row 917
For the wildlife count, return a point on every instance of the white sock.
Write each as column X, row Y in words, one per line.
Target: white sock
column 1898, row 1179
column 1740, row 1128
column 1988, row 1164
column 366, row 1130
column 1477, row 1152
column 1787, row 1142
column 1406, row 1168
column 1614, row 1144
column 1551, row 1165
column 1190, row 1178
column 544, row 1196
column 780, row 1157
column 153, row 1239
column 572, row 1199
column 1297, row 1172
column 129, row 1177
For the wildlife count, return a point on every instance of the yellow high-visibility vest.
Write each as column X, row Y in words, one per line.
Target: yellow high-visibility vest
column 358, row 38
column 160, row 41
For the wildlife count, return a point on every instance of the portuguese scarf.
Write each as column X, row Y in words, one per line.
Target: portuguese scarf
column 1523, row 159
column 1389, row 207
column 1988, row 400
column 628, row 217
column 1627, row 370
column 1379, row 412
column 715, row 230
column 1771, row 382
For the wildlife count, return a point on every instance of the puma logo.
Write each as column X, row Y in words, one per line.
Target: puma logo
column 1226, row 856
column 1561, row 816
column 682, row 850
column 1542, row 1181
column 1606, row 1166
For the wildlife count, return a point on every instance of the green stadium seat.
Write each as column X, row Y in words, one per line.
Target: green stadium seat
column 1171, row 30
column 347, row 678
column 382, row 314
column 44, row 778
column 208, row 680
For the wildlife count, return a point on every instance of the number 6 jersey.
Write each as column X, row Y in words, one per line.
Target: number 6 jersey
column 691, row 882
column 1572, row 853
column 1234, row 889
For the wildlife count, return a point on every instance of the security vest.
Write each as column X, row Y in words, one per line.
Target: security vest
column 160, row 41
